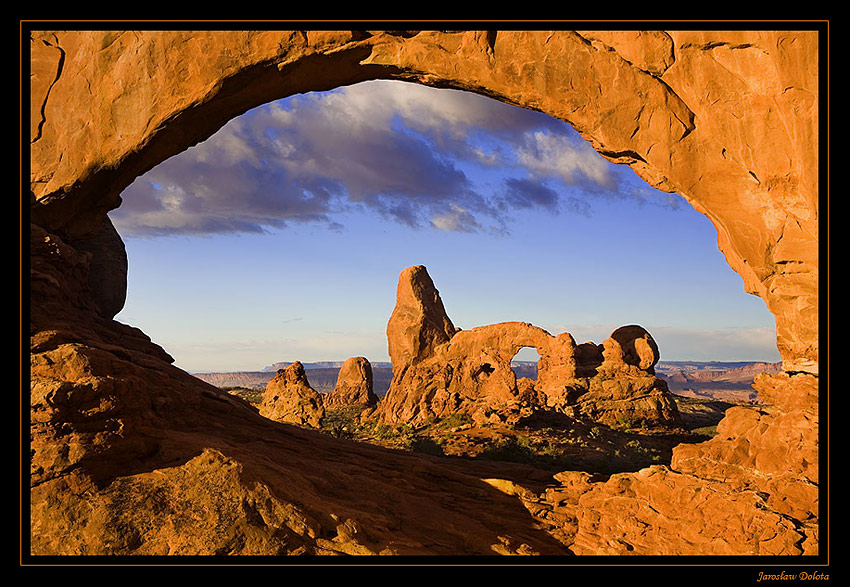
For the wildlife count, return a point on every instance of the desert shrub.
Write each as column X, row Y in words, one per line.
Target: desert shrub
column 536, row 452
column 252, row 396
column 383, row 431
column 425, row 445
column 388, row 432
column 514, row 448
column 453, row 421
column 626, row 422
column 708, row 431
column 341, row 423
column 635, row 450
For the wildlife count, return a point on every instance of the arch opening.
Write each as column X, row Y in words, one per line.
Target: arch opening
column 326, row 173
column 376, row 196
column 524, row 363
column 454, row 218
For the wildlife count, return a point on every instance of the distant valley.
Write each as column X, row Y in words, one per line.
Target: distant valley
column 726, row 381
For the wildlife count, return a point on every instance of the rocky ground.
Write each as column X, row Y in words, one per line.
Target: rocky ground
column 546, row 441
column 130, row 455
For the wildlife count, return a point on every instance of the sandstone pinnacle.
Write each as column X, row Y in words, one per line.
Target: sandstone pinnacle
column 418, row 322
column 469, row 371
column 353, row 386
column 289, row 398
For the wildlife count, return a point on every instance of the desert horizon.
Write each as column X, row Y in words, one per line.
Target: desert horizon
column 712, row 380
column 338, row 191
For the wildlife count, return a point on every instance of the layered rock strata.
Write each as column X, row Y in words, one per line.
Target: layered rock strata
column 440, row 370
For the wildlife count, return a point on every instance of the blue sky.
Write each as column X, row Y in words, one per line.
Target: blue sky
column 281, row 237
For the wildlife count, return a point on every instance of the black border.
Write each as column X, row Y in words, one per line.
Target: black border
column 744, row 569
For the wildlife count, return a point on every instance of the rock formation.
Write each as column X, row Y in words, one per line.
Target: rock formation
column 419, row 322
column 470, row 372
column 130, row 455
column 353, row 386
column 289, row 398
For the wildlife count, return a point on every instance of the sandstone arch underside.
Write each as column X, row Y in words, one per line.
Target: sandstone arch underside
column 727, row 119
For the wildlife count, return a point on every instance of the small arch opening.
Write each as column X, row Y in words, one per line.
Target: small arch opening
column 524, row 363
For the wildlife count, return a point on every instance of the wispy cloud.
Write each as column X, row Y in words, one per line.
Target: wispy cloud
column 408, row 153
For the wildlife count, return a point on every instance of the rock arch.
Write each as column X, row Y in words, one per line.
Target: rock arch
column 469, row 372
column 727, row 119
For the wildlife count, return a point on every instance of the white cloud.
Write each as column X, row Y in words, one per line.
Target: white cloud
column 550, row 155
column 400, row 150
column 455, row 219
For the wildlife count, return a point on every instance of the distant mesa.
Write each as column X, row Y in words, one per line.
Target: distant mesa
column 312, row 366
column 440, row 370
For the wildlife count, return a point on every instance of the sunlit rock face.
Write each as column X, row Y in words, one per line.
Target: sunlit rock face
column 727, row 119
column 353, row 386
column 439, row 370
column 289, row 398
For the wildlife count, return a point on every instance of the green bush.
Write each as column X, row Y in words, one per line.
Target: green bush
column 341, row 423
column 635, row 450
column 425, row 445
column 626, row 422
column 453, row 421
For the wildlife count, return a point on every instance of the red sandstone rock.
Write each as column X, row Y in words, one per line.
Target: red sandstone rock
column 773, row 449
column 353, row 386
column 131, row 455
column 631, row 345
column 289, row 398
column 657, row 510
column 418, row 322
column 470, row 372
